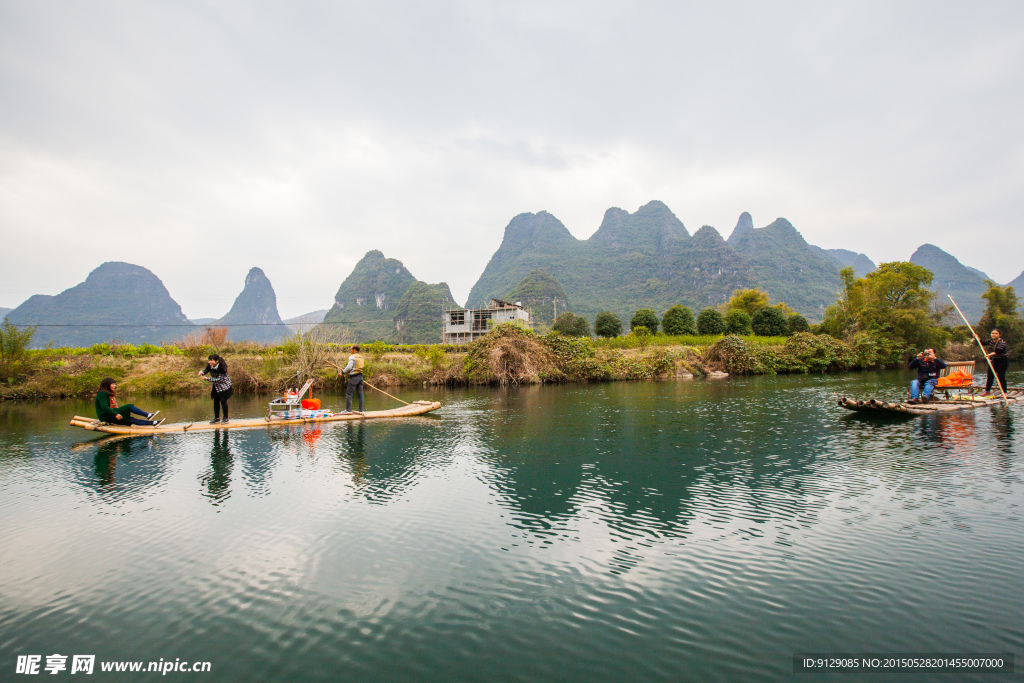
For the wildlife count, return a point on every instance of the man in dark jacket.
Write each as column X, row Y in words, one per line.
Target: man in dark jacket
column 928, row 368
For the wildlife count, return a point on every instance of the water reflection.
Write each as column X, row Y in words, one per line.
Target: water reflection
column 607, row 532
column 125, row 468
column 950, row 431
column 1002, row 430
column 645, row 462
column 216, row 480
column 355, row 451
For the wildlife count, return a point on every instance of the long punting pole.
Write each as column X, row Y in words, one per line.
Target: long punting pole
column 370, row 385
column 982, row 347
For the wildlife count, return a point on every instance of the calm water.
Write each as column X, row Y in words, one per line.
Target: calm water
column 684, row 530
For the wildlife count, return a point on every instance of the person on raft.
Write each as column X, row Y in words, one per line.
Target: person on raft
column 216, row 371
column 928, row 368
column 354, row 370
column 108, row 411
column 997, row 352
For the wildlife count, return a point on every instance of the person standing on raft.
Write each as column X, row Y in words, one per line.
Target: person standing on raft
column 928, row 368
column 354, row 370
column 108, row 411
column 997, row 352
column 217, row 369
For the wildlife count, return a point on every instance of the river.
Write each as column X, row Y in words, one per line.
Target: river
column 690, row 530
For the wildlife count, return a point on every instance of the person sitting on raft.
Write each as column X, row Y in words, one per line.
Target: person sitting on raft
column 108, row 411
column 997, row 352
column 354, row 370
column 928, row 368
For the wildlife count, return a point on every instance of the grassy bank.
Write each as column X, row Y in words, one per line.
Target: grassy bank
column 508, row 355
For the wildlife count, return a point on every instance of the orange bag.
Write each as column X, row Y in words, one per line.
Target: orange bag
column 311, row 404
column 957, row 378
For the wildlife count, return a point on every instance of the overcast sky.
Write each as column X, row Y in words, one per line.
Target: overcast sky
column 201, row 139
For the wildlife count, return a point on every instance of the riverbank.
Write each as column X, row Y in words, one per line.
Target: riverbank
column 508, row 355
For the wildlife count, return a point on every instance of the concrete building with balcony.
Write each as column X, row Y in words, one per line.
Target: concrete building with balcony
column 463, row 325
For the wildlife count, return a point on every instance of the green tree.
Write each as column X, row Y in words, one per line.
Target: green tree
column 892, row 306
column 607, row 325
column 737, row 321
column 770, row 322
column 572, row 325
column 1001, row 313
column 679, row 320
column 749, row 301
column 14, row 345
column 710, row 321
column 798, row 323
column 645, row 317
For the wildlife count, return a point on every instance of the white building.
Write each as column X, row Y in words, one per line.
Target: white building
column 462, row 326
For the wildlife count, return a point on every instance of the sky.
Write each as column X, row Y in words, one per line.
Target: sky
column 200, row 139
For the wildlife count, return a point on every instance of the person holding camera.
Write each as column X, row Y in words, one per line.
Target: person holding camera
column 928, row 369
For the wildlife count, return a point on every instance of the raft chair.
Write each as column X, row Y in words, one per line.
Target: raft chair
column 292, row 401
column 957, row 375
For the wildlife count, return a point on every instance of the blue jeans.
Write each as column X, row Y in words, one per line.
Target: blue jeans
column 929, row 387
column 136, row 411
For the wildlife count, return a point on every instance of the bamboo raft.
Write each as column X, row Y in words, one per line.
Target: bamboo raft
column 944, row 405
column 94, row 425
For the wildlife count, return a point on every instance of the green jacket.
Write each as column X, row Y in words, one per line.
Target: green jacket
column 104, row 413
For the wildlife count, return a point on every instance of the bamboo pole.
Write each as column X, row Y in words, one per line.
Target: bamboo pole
column 371, row 386
column 982, row 347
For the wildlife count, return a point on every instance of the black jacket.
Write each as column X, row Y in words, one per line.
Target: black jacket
column 927, row 369
column 999, row 347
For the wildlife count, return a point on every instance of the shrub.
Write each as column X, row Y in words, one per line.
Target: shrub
column 816, row 353
column 14, row 345
column 645, row 317
column 508, row 354
column 770, row 322
column 710, row 321
column 376, row 349
column 737, row 321
column 678, row 320
column 607, row 325
column 798, row 323
column 572, row 325
column 737, row 357
column 574, row 358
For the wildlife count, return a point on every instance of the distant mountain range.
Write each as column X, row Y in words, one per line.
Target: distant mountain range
column 648, row 258
column 952, row 278
column 116, row 301
column 121, row 301
column 643, row 259
column 302, row 323
column 254, row 316
column 1017, row 284
column 380, row 299
column 542, row 295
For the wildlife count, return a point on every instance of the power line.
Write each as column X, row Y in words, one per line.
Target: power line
column 193, row 326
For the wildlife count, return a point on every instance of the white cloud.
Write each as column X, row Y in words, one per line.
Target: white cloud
column 199, row 140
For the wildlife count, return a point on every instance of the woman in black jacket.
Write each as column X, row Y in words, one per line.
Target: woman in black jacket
column 997, row 352
column 216, row 371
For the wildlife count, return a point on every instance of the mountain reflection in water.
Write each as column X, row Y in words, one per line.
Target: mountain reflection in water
column 676, row 530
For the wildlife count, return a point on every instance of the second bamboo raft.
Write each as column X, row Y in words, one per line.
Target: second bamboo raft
column 968, row 402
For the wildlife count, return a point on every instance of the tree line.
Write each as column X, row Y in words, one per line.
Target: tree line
column 747, row 312
column 885, row 315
